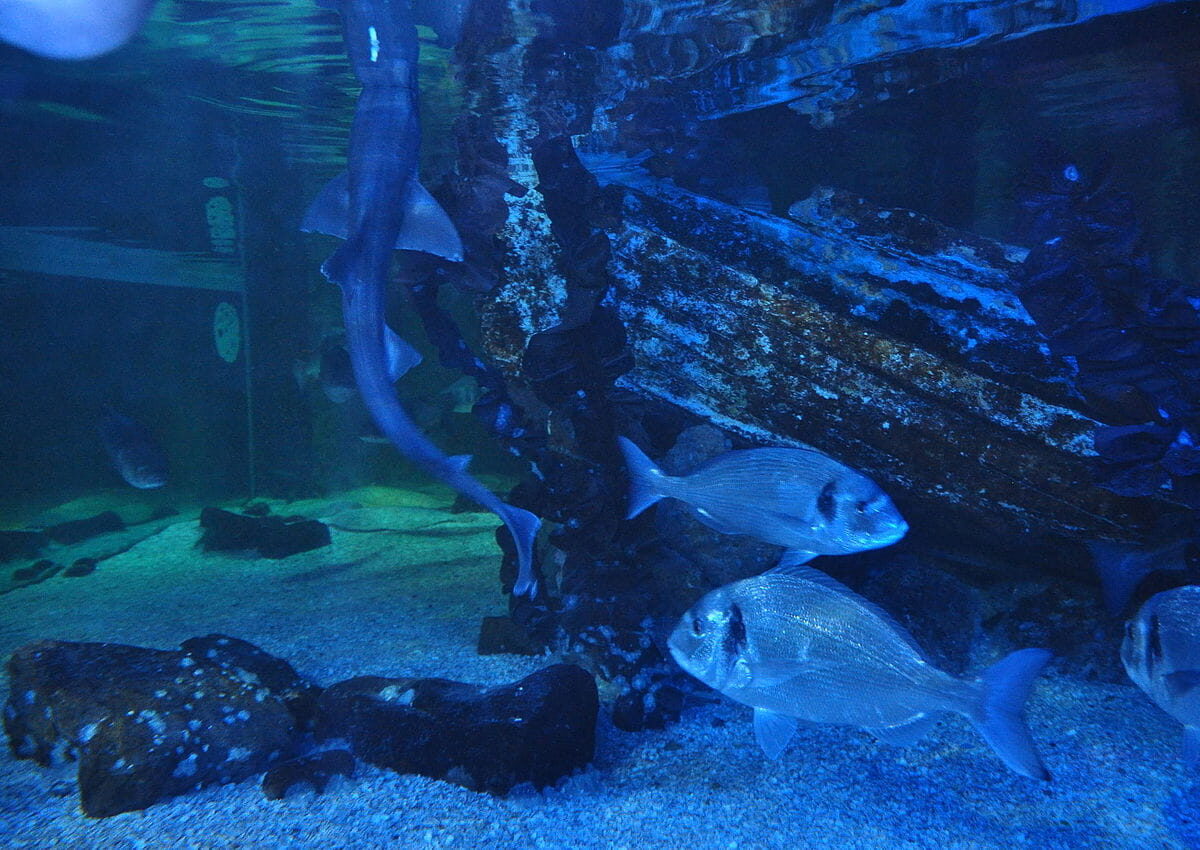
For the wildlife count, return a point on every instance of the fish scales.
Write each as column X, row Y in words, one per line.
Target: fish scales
column 795, row 644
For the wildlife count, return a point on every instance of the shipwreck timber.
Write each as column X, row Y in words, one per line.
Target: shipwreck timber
column 878, row 335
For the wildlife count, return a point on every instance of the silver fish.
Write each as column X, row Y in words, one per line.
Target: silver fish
column 798, row 498
column 794, row 644
column 1161, row 653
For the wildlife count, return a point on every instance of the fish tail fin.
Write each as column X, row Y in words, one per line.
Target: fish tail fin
column 645, row 479
column 523, row 526
column 1000, row 715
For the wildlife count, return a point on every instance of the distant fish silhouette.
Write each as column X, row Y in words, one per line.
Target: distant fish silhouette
column 134, row 452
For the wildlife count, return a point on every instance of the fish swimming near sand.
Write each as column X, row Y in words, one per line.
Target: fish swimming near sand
column 797, row 498
column 379, row 206
column 134, row 452
column 1161, row 654
column 796, row 645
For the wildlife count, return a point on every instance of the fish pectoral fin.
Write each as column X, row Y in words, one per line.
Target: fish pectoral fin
column 905, row 734
column 794, row 558
column 1191, row 746
column 426, row 226
column 401, row 356
column 1181, row 682
column 773, row 731
column 329, row 213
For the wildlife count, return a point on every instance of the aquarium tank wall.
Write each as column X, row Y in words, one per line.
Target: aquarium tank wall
column 599, row 424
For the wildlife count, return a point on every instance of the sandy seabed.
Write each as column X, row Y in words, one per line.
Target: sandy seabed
column 401, row 591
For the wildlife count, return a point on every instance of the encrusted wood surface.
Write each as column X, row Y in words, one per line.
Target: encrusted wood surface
column 881, row 337
column 899, row 350
column 740, row 55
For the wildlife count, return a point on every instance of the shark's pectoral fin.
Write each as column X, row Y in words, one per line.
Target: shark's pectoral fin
column 426, row 226
column 400, row 355
column 329, row 213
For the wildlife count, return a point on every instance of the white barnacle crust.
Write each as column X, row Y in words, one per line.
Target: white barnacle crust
column 187, row 767
column 394, row 693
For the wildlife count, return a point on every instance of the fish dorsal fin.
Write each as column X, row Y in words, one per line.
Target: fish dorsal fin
column 773, row 731
column 788, row 566
column 460, row 462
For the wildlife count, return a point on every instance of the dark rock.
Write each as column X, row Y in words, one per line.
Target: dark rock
column 77, row 530
column 144, row 724
column 37, row 571
column 720, row 558
column 247, row 662
column 20, row 543
column 947, row 630
column 499, row 635
column 316, row 769
column 270, row 536
column 81, row 567
column 652, row 708
column 536, row 730
column 1063, row 619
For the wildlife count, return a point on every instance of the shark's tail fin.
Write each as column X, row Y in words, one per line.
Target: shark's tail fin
column 426, row 226
column 1000, row 715
column 645, row 479
column 523, row 526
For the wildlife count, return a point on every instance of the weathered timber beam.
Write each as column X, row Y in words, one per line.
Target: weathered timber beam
column 763, row 54
column 832, row 331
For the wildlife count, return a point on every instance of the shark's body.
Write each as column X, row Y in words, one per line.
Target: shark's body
column 380, row 206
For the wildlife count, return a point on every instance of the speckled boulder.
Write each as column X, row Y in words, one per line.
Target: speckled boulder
column 146, row 724
column 536, row 730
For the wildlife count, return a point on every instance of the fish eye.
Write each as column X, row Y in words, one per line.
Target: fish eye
column 697, row 627
column 861, row 506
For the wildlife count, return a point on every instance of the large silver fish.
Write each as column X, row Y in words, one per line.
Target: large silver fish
column 798, row 498
column 794, row 644
column 1161, row 653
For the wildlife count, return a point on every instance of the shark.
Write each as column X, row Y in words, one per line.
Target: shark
column 379, row 206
